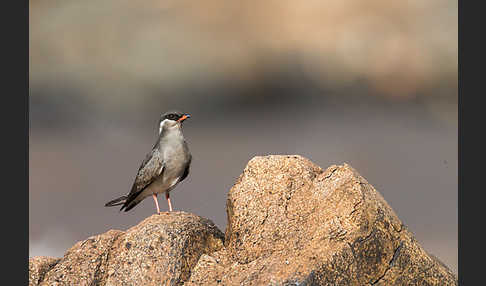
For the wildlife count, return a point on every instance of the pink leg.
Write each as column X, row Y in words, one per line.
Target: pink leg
column 168, row 200
column 156, row 202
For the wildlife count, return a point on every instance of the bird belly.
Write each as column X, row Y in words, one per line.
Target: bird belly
column 160, row 185
column 156, row 187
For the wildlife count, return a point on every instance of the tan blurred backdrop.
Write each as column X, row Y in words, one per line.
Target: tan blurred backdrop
column 371, row 83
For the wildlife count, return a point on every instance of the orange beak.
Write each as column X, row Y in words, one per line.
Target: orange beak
column 183, row 117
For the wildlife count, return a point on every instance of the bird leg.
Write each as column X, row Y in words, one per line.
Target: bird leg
column 156, row 202
column 168, row 200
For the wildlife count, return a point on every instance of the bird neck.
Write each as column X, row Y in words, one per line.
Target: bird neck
column 172, row 134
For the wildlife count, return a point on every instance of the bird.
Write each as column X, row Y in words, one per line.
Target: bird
column 163, row 168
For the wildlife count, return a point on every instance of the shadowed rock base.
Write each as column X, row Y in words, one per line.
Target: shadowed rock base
column 289, row 223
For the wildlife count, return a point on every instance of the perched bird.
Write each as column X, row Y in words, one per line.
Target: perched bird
column 163, row 168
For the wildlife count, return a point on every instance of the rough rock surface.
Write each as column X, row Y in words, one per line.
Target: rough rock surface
column 161, row 250
column 292, row 223
column 289, row 223
column 38, row 266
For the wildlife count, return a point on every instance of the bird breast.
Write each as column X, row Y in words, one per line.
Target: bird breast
column 176, row 157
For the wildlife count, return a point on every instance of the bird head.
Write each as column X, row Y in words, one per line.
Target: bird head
column 172, row 119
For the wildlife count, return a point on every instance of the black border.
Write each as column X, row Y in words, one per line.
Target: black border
column 15, row 139
column 470, row 205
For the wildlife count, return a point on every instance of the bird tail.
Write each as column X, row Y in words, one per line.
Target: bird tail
column 116, row 202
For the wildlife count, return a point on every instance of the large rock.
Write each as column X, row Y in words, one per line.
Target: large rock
column 161, row 250
column 291, row 223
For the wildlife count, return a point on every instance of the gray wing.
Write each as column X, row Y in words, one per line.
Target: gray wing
column 150, row 169
column 186, row 170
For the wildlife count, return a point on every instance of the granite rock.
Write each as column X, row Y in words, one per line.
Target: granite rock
column 289, row 223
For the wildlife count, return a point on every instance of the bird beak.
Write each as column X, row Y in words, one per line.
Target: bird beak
column 184, row 117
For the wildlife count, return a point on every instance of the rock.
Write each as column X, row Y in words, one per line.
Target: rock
column 291, row 223
column 84, row 263
column 38, row 266
column 161, row 250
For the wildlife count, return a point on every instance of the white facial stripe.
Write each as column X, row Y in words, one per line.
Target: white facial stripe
column 168, row 124
column 165, row 121
column 162, row 125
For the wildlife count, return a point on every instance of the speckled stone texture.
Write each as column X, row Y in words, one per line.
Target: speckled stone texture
column 38, row 266
column 289, row 223
column 161, row 250
column 292, row 223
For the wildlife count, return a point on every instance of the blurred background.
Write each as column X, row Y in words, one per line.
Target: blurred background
column 370, row 83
